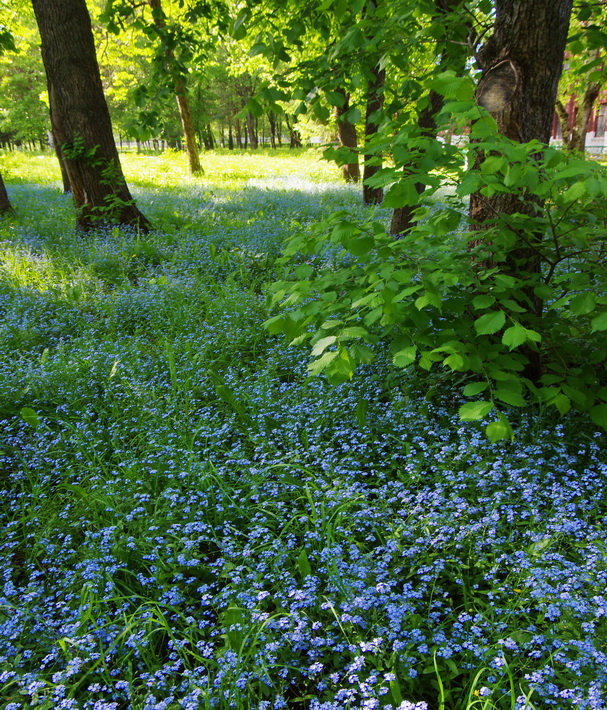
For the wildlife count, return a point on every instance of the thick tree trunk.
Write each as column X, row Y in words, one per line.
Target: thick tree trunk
column 80, row 118
column 346, row 132
column 522, row 63
column 5, row 205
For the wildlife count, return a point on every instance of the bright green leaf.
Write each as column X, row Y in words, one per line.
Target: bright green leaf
column 405, row 357
column 490, row 323
column 514, row 336
column 473, row 411
column 474, row 388
column 498, row 431
column 483, row 301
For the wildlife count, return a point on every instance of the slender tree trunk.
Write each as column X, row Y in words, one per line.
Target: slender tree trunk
column 451, row 55
column 294, row 136
column 574, row 128
column 522, row 63
column 187, row 125
column 5, row 205
column 251, row 130
column 181, row 93
column 79, row 115
column 346, row 132
column 372, row 161
column 272, row 122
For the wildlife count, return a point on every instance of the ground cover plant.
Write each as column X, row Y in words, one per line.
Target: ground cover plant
column 190, row 521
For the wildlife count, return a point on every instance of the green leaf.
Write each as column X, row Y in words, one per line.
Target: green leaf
column 455, row 362
column 514, row 399
column 473, row 411
column 401, row 194
column 498, row 431
column 483, row 301
column 514, row 336
column 321, row 345
column 474, row 388
column 583, row 304
column 360, row 245
column 323, row 362
column 303, row 564
column 490, row 323
column 599, row 322
column 562, row 403
column 405, row 357
column 577, row 190
column 30, row 416
column 598, row 414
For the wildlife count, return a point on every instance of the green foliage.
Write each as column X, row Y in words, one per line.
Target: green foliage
column 483, row 305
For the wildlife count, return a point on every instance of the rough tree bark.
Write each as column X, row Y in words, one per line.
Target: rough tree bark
column 79, row 115
column 5, row 205
column 346, row 132
column 181, row 92
column 522, row 63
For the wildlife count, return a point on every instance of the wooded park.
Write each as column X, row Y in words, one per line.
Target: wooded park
column 303, row 364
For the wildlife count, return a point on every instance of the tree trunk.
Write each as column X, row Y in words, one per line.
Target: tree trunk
column 80, row 118
column 573, row 128
column 252, row 131
column 272, row 122
column 451, row 55
column 522, row 63
column 5, row 205
column 372, row 162
column 294, row 136
column 65, row 179
column 187, row 125
column 181, row 92
column 346, row 132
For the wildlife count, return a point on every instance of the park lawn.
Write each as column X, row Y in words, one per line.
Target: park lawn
column 188, row 520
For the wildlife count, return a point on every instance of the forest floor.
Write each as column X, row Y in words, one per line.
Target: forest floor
column 188, row 520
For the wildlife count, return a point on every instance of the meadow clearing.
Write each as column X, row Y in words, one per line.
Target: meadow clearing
column 189, row 520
